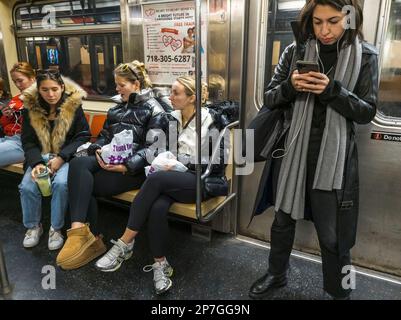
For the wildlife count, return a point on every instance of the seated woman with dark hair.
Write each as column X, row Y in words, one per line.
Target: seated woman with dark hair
column 54, row 127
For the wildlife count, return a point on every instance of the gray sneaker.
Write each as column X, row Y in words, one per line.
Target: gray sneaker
column 32, row 237
column 113, row 259
column 162, row 271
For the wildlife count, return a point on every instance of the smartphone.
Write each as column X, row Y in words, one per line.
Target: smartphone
column 306, row 66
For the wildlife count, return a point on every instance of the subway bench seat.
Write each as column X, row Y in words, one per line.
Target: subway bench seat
column 186, row 210
column 182, row 209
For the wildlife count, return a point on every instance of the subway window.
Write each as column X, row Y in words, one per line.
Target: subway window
column 279, row 31
column 83, row 40
column 390, row 80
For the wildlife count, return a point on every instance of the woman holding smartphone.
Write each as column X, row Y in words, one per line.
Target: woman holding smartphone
column 315, row 176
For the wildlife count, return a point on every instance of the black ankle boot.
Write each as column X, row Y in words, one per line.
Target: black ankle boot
column 263, row 286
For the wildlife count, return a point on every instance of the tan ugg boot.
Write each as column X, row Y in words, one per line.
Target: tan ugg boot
column 80, row 248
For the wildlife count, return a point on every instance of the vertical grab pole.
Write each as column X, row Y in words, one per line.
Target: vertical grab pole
column 198, row 73
column 4, row 284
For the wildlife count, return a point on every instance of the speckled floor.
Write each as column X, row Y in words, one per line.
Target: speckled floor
column 221, row 269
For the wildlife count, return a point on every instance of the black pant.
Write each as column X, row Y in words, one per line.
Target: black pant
column 152, row 204
column 87, row 180
column 324, row 210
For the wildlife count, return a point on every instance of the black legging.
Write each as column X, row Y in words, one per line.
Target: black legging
column 87, row 180
column 152, row 203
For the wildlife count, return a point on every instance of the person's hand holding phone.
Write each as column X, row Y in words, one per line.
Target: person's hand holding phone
column 307, row 78
column 316, row 82
column 109, row 167
column 299, row 81
column 6, row 110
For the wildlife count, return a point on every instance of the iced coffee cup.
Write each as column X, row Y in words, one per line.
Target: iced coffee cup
column 43, row 182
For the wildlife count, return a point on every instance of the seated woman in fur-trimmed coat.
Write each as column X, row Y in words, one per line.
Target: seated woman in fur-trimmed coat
column 54, row 127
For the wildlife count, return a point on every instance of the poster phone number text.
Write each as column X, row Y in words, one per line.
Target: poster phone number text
column 169, row 58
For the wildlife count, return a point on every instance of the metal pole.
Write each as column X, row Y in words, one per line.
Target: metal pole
column 4, row 284
column 198, row 75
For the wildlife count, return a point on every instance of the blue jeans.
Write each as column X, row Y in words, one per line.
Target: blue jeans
column 11, row 150
column 31, row 199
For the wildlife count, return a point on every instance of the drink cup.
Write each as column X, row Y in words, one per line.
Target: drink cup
column 43, row 182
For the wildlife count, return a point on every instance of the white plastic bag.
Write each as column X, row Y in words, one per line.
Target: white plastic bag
column 165, row 161
column 82, row 151
column 119, row 150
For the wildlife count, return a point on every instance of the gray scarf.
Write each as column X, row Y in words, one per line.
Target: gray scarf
column 290, row 196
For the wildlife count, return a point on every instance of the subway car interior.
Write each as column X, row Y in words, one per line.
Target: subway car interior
column 217, row 253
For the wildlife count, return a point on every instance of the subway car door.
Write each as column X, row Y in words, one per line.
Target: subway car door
column 379, row 230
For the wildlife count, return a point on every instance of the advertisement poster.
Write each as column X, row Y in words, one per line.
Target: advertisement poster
column 169, row 41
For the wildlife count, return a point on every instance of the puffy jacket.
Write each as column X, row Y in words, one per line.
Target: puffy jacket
column 12, row 125
column 70, row 129
column 145, row 117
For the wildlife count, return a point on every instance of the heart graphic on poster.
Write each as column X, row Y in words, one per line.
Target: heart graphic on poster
column 167, row 40
column 176, row 44
column 150, row 12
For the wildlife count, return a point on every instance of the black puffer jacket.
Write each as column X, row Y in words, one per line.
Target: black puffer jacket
column 145, row 117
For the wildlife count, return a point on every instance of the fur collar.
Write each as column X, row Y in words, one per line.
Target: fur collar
column 52, row 141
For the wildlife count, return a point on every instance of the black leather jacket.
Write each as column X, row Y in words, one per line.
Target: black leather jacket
column 145, row 117
column 358, row 106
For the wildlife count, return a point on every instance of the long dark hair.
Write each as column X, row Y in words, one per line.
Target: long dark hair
column 306, row 31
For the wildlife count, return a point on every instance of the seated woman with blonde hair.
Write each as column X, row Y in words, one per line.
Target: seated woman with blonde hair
column 162, row 188
column 137, row 111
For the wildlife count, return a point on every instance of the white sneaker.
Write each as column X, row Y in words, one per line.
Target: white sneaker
column 56, row 239
column 113, row 259
column 162, row 271
column 32, row 237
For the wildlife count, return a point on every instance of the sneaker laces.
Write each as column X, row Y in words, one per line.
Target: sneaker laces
column 115, row 251
column 30, row 232
column 158, row 271
column 55, row 235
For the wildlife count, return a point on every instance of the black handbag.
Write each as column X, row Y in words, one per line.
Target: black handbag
column 267, row 126
column 215, row 187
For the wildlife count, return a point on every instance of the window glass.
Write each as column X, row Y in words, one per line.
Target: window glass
column 390, row 81
column 279, row 31
column 89, row 60
column 68, row 13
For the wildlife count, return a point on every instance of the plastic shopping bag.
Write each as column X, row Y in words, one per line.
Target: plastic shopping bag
column 119, row 150
column 165, row 161
column 82, row 150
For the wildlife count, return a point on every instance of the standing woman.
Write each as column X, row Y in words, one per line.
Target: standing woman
column 54, row 127
column 161, row 189
column 11, row 151
column 317, row 176
column 90, row 176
